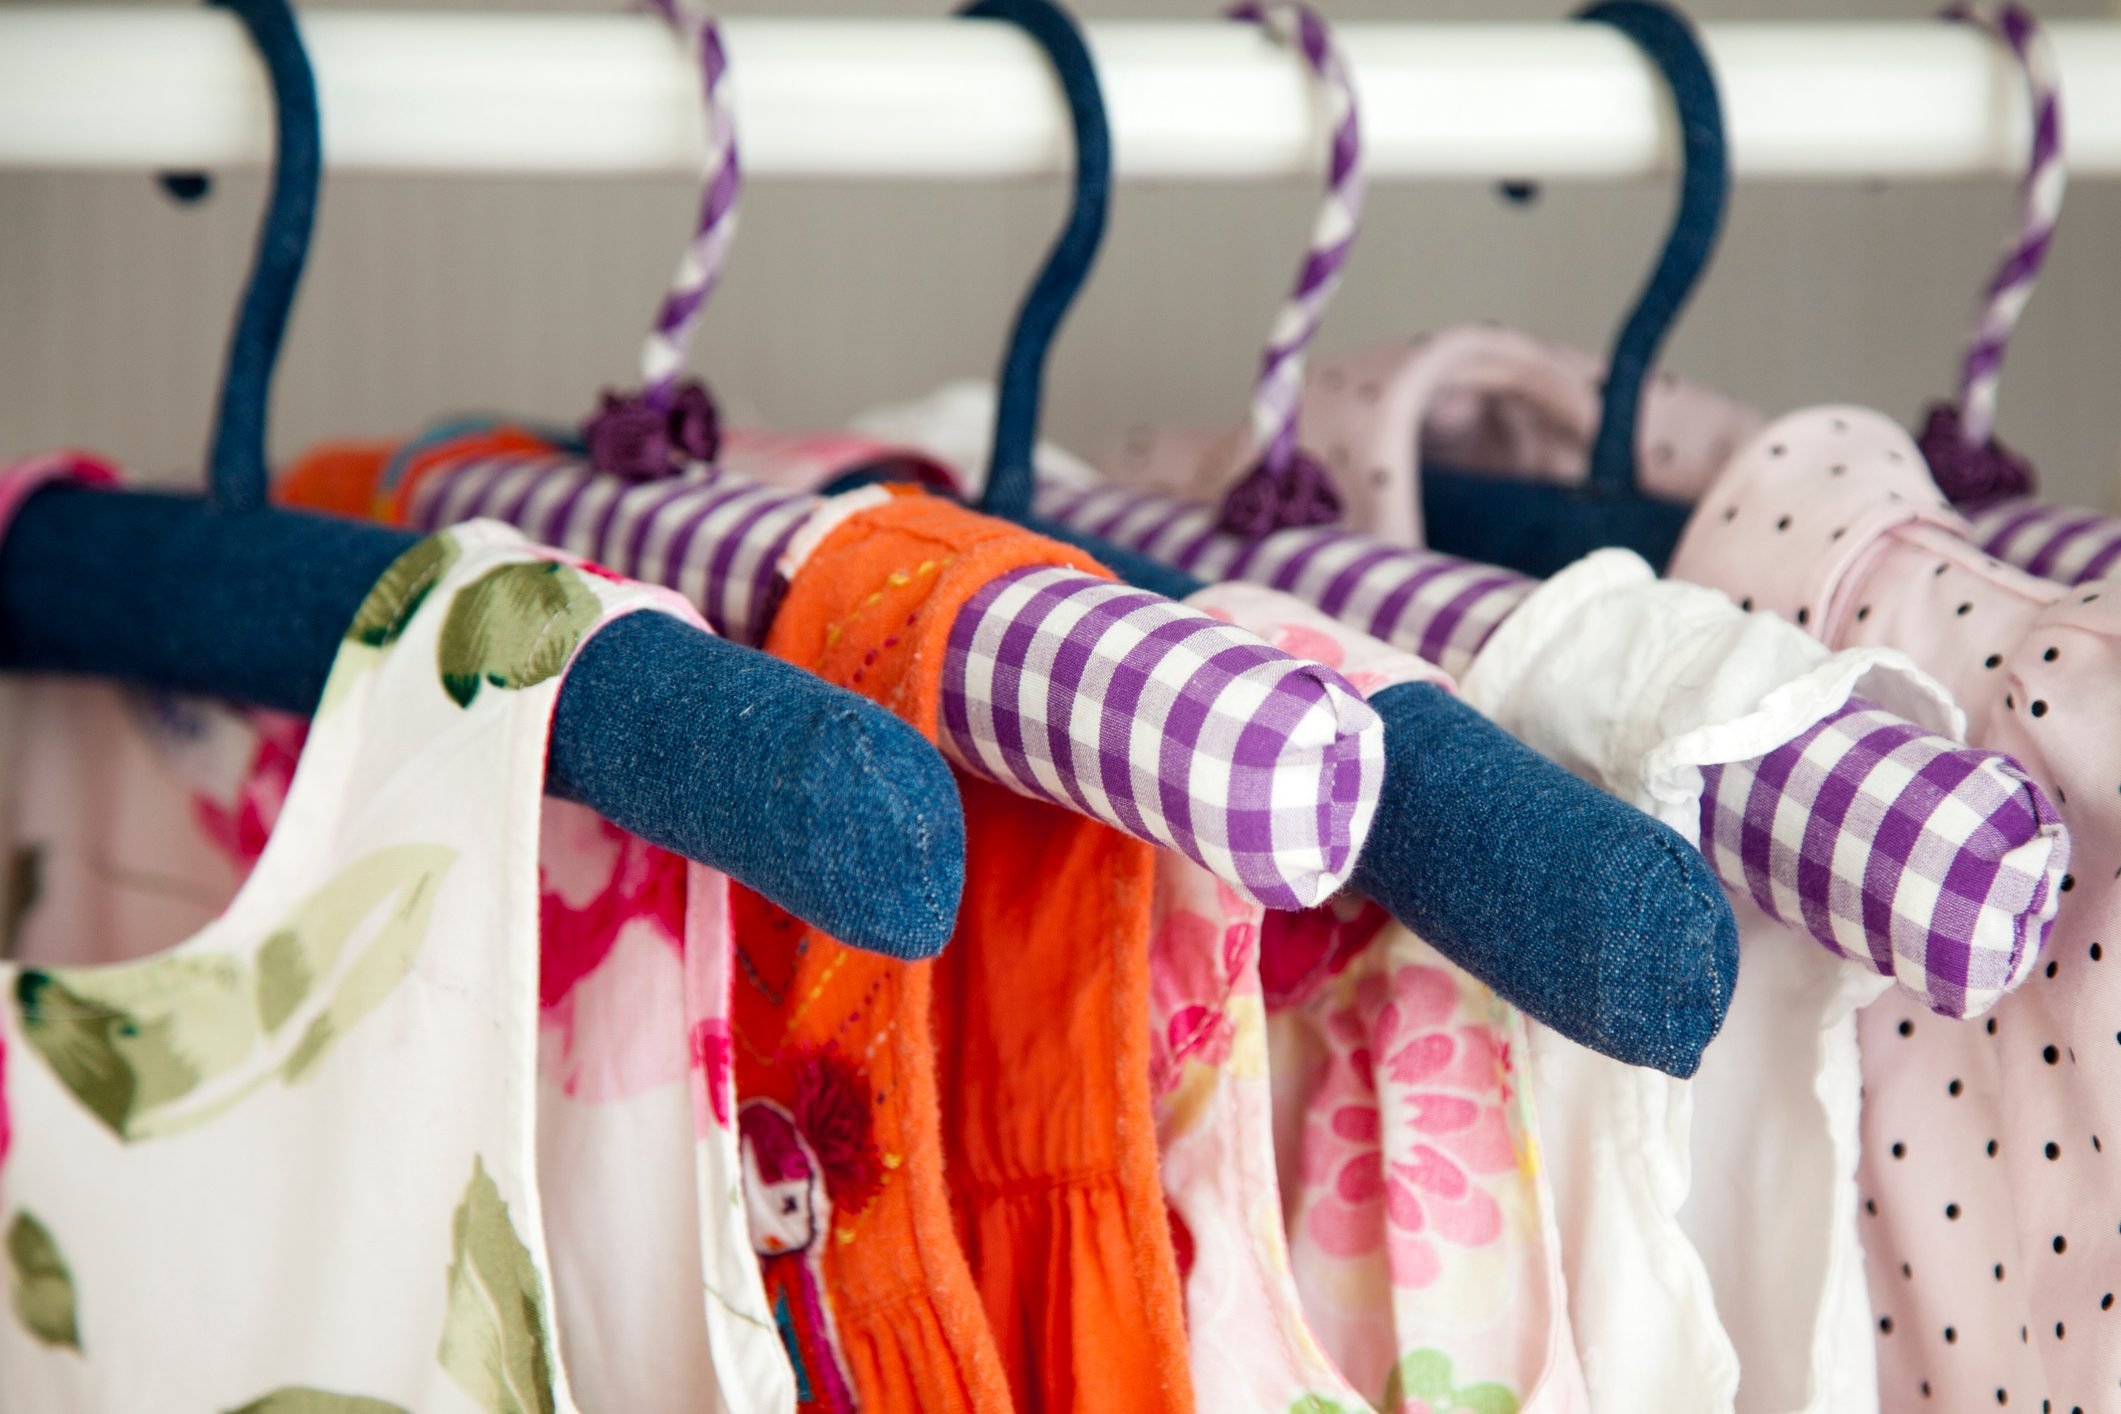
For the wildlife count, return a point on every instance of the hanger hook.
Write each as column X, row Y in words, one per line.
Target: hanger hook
column 1959, row 438
column 1287, row 486
column 673, row 422
column 1023, row 375
column 236, row 462
column 1666, row 38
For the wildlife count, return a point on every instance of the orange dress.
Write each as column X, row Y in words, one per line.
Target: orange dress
column 1030, row 1079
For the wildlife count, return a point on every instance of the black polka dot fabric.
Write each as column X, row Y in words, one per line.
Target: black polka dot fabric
column 1991, row 1202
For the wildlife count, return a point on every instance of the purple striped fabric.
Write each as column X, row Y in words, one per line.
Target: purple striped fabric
column 1175, row 726
column 2040, row 209
column 1439, row 608
column 1887, row 843
column 1895, row 848
column 2066, row 544
column 715, row 539
column 1147, row 715
column 1285, row 486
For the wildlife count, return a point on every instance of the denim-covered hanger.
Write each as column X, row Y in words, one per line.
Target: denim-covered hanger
column 806, row 793
column 1535, row 882
column 1279, row 819
column 1536, row 527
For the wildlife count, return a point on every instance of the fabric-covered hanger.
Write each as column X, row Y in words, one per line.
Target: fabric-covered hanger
column 1521, row 874
column 656, row 727
column 1280, row 819
column 1445, row 610
column 1536, row 527
column 1958, row 438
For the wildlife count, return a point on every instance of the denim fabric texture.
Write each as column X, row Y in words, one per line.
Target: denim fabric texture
column 1577, row 908
column 816, row 799
column 1583, row 912
column 1538, row 529
column 237, row 462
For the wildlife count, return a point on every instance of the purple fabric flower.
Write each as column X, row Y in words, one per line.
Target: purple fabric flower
column 1966, row 474
column 1299, row 494
column 695, row 422
column 628, row 436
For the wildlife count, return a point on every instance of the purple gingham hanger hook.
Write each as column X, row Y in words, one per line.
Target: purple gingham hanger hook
column 671, row 424
column 1286, row 486
column 1959, row 439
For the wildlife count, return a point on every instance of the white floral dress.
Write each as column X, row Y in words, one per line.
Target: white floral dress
column 330, row 1153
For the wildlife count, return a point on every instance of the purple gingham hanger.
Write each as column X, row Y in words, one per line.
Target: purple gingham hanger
column 1782, row 828
column 1262, row 767
column 1820, row 832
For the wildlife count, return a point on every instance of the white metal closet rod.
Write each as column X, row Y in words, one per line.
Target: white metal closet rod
column 403, row 91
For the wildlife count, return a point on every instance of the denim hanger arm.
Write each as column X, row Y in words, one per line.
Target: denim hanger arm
column 1581, row 910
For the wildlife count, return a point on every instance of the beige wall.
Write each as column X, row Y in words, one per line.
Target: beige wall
column 429, row 296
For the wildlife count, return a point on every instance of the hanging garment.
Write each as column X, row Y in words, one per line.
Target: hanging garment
column 1476, row 397
column 1421, row 1230
column 1991, row 1217
column 372, row 1035
column 637, row 1157
column 1006, row 1084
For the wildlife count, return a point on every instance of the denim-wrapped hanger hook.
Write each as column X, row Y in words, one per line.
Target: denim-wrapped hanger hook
column 236, row 464
column 1022, row 381
column 1536, row 527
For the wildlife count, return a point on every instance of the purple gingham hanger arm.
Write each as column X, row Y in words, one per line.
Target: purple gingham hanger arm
column 1821, row 832
column 1262, row 767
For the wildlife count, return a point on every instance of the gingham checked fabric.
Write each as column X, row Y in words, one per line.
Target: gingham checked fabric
column 1149, row 716
column 1925, row 879
column 1173, row 725
column 1850, row 831
column 1439, row 608
column 2066, row 544
column 715, row 539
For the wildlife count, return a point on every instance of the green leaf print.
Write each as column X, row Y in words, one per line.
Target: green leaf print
column 1421, row 1374
column 129, row 1040
column 1486, row 1399
column 408, row 875
column 514, row 626
column 1425, row 1375
column 397, row 596
column 386, row 612
column 296, row 1399
column 167, row 1044
column 493, row 1339
column 1319, row 1404
column 42, row 1287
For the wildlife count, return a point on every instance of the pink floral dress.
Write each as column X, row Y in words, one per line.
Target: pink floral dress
column 1411, row 1264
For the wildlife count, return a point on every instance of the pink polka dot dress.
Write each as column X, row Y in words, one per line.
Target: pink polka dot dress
column 1990, row 1192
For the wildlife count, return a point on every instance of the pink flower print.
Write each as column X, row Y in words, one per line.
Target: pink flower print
column 715, row 1062
column 1413, row 1125
column 6, row 1130
column 1200, row 1033
column 240, row 825
column 1304, row 641
column 1300, row 951
column 595, row 879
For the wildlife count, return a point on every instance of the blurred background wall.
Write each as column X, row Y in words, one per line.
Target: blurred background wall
column 433, row 295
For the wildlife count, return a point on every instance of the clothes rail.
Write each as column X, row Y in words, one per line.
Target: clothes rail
column 132, row 88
